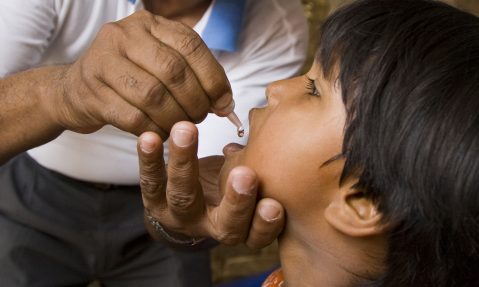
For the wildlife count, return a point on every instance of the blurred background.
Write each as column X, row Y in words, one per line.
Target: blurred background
column 239, row 263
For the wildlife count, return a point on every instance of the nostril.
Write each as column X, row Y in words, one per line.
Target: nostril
column 272, row 100
column 269, row 98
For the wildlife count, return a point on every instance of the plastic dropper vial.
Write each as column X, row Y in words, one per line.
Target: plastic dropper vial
column 236, row 121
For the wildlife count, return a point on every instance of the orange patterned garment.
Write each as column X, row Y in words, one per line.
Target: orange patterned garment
column 274, row 279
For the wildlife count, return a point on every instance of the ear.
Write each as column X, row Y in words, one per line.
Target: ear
column 351, row 213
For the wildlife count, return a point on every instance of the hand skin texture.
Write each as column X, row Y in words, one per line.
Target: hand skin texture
column 187, row 202
column 142, row 73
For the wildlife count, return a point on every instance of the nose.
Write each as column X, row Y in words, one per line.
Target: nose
column 274, row 92
column 280, row 90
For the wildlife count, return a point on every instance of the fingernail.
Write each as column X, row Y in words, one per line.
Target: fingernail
column 182, row 138
column 243, row 184
column 147, row 143
column 269, row 212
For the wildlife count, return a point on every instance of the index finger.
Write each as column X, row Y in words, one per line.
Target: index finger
column 209, row 72
column 152, row 170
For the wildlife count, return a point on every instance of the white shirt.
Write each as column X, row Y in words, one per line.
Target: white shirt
column 271, row 46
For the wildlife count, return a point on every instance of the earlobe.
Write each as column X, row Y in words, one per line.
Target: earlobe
column 353, row 214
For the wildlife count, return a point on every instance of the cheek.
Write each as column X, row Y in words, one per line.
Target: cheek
column 288, row 167
column 288, row 161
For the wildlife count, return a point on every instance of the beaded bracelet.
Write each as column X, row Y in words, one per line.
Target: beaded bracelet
column 168, row 237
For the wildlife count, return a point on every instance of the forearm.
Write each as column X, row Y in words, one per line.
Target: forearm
column 27, row 109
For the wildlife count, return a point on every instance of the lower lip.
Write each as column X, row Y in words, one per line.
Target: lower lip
column 231, row 148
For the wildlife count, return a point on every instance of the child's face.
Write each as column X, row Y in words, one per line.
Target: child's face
column 289, row 140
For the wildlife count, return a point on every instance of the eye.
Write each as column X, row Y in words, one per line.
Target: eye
column 312, row 87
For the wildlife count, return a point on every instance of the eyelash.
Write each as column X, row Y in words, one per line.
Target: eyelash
column 312, row 88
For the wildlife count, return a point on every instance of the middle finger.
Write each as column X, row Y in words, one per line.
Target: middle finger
column 169, row 67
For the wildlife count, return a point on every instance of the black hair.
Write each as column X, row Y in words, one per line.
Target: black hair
column 409, row 76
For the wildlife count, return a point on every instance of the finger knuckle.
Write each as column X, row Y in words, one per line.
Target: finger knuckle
column 151, row 187
column 133, row 120
column 142, row 17
column 129, row 82
column 190, row 42
column 111, row 29
column 155, row 96
column 172, row 66
column 177, row 74
column 182, row 202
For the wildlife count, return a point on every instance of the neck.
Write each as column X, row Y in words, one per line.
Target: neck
column 304, row 267
column 187, row 12
column 337, row 263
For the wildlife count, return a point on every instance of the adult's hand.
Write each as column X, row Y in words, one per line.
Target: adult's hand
column 142, row 73
column 174, row 196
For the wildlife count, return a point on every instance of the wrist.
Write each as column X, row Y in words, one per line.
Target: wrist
column 52, row 95
column 27, row 111
column 172, row 238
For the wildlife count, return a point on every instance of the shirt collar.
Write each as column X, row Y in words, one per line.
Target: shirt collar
column 224, row 25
